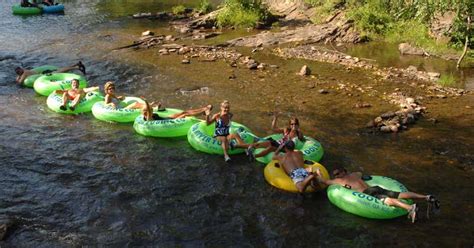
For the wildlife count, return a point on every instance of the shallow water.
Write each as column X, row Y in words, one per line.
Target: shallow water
column 74, row 180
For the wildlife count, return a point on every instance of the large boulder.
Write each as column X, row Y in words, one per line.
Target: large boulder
column 441, row 25
column 406, row 48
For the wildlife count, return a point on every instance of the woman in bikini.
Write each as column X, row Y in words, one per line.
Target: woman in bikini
column 291, row 132
column 222, row 131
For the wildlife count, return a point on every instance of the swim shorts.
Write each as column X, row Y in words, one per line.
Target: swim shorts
column 381, row 193
column 298, row 175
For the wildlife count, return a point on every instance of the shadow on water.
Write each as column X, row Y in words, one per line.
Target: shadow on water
column 76, row 181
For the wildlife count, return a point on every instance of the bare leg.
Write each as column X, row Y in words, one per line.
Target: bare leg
column 411, row 195
column 301, row 186
column 79, row 66
column 240, row 141
column 136, row 105
column 265, row 152
column 397, row 203
column 65, row 99
column 76, row 101
column 191, row 112
column 225, row 146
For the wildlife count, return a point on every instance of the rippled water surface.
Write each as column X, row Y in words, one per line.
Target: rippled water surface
column 73, row 180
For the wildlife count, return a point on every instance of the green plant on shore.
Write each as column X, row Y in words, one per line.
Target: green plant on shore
column 447, row 80
column 178, row 10
column 204, row 6
column 241, row 13
column 324, row 8
column 402, row 20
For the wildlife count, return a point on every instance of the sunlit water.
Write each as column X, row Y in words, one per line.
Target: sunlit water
column 74, row 180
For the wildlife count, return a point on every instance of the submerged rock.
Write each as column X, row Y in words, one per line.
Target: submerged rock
column 193, row 91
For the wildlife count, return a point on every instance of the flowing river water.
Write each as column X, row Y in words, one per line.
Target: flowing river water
column 68, row 181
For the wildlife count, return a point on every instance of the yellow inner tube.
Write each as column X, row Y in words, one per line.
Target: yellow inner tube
column 276, row 176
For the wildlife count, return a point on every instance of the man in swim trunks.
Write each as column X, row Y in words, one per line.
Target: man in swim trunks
column 75, row 94
column 293, row 164
column 23, row 73
column 355, row 182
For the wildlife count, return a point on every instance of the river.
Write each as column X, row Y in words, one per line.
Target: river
column 69, row 181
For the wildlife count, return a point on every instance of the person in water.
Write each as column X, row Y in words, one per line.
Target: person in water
column 48, row 2
column 23, row 73
column 114, row 100
column 355, row 182
column 27, row 3
column 293, row 165
column 291, row 132
column 222, row 133
column 74, row 95
column 148, row 114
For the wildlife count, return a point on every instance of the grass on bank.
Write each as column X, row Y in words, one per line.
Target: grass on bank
column 242, row 13
column 447, row 80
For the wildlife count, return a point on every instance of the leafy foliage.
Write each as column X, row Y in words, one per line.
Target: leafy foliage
column 178, row 10
column 242, row 13
column 378, row 18
column 204, row 6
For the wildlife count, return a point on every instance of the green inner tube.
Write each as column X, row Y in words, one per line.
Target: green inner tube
column 164, row 128
column 365, row 205
column 54, row 101
column 18, row 10
column 200, row 137
column 311, row 149
column 30, row 80
column 106, row 112
column 45, row 85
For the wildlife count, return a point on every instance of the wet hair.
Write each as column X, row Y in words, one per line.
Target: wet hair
column 225, row 102
column 108, row 85
column 290, row 145
column 19, row 70
column 74, row 80
column 147, row 111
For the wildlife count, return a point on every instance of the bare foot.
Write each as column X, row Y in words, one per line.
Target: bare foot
column 158, row 106
column 412, row 213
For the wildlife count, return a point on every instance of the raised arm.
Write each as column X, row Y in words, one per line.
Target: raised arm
column 210, row 120
column 21, row 79
column 274, row 123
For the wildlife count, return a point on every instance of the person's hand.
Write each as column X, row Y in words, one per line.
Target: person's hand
column 275, row 114
column 318, row 172
column 281, row 146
